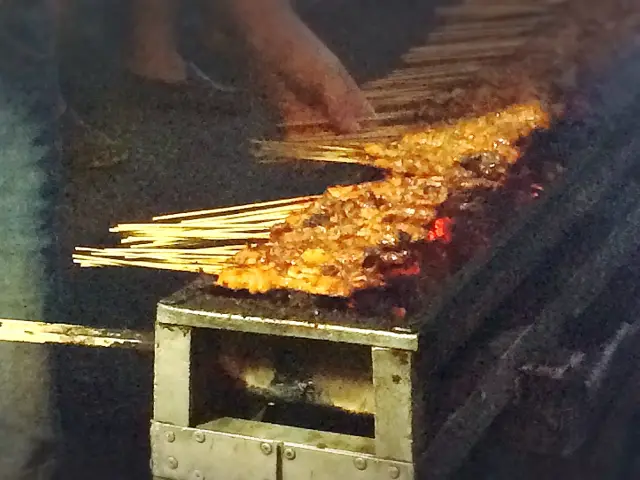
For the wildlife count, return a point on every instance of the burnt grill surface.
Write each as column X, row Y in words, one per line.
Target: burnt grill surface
column 282, row 305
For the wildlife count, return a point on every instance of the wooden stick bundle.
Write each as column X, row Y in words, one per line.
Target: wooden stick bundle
column 201, row 241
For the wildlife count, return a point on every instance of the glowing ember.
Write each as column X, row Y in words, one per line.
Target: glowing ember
column 399, row 312
column 441, row 230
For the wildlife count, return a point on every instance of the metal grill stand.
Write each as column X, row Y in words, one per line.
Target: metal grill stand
column 235, row 448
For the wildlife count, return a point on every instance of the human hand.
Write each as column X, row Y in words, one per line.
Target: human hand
column 302, row 77
column 341, row 111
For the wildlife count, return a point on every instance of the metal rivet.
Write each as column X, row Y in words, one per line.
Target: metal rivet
column 266, row 448
column 289, row 454
column 200, row 437
column 172, row 462
column 394, row 472
column 360, row 463
column 197, row 475
column 171, row 437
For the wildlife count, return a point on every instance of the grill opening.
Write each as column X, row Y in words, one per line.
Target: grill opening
column 310, row 384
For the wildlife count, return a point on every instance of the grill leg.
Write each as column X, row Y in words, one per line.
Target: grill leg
column 392, row 375
column 172, row 375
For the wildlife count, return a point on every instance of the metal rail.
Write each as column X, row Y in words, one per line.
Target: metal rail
column 25, row 331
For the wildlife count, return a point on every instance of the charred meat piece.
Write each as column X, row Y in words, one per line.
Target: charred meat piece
column 433, row 151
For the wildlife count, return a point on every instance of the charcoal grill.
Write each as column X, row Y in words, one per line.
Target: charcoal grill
column 182, row 448
column 518, row 338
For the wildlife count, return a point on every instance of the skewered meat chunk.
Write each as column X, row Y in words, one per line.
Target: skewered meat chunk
column 324, row 249
column 433, row 151
column 350, row 238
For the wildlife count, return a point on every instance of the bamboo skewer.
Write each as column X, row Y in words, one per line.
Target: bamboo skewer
column 488, row 25
column 464, row 71
column 424, row 57
column 443, row 36
column 378, row 118
column 239, row 219
column 464, row 47
column 173, row 265
column 419, row 72
column 417, row 86
column 208, row 252
column 236, row 208
column 493, row 11
column 182, row 245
